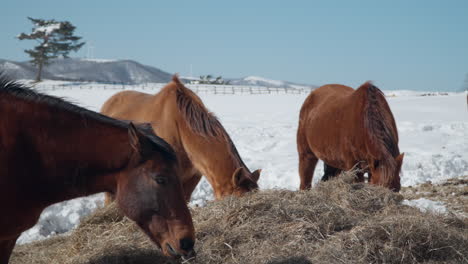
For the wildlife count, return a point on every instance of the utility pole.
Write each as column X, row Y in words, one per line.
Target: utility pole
column 90, row 54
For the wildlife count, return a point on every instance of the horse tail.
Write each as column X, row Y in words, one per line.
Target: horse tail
column 380, row 127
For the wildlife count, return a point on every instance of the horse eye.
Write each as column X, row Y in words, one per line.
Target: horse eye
column 376, row 164
column 160, row 180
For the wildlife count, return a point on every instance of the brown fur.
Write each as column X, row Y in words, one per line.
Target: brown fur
column 202, row 144
column 346, row 127
column 51, row 150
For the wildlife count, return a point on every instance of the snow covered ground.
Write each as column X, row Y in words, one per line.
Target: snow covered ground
column 426, row 205
column 433, row 134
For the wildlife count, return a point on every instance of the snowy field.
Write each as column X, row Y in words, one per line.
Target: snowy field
column 433, row 134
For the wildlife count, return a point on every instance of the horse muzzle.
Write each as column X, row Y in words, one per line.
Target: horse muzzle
column 184, row 250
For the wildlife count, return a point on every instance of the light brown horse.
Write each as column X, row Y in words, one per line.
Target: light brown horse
column 51, row 151
column 202, row 145
column 344, row 127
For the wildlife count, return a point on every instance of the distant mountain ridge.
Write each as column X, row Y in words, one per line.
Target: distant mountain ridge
column 116, row 71
column 73, row 69
column 20, row 70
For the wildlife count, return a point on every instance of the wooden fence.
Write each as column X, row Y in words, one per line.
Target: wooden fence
column 197, row 88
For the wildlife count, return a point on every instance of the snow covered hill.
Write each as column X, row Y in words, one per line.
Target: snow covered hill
column 20, row 70
column 117, row 71
column 108, row 71
column 124, row 71
column 433, row 134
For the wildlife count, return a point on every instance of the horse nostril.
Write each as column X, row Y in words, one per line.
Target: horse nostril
column 171, row 250
column 186, row 244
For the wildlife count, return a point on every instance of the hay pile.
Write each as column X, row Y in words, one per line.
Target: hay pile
column 337, row 222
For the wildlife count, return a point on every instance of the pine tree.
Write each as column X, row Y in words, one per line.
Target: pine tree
column 55, row 39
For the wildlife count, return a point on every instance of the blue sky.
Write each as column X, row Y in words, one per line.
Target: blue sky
column 419, row 45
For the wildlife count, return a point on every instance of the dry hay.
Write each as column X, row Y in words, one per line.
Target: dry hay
column 336, row 222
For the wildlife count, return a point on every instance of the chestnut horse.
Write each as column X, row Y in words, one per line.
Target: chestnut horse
column 51, row 151
column 344, row 127
column 202, row 145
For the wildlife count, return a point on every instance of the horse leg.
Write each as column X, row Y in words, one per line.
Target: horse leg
column 6, row 247
column 190, row 185
column 329, row 172
column 307, row 163
column 307, row 159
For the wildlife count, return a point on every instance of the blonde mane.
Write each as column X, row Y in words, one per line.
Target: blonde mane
column 199, row 119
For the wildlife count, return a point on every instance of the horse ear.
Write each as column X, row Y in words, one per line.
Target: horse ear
column 255, row 175
column 238, row 176
column 147, row 126
column 139, row 143
column 400, row 157
column 134, row 137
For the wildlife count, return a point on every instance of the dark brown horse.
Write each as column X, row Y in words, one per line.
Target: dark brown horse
column 51, row 151
column 202, row 145
column 345, row 128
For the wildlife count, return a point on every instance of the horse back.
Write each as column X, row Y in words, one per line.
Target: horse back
column 127, row 105
column 330, row 119
column 326, row 97
column 325, row 103
column 160, row 110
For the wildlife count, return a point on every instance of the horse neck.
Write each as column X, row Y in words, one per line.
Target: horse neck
column 203, row 139
column 377, row 121
column 83, row 154
column 214, row 157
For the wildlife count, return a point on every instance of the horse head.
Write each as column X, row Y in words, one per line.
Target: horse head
column 244, row 181
column 150, row 193
column 387, row 172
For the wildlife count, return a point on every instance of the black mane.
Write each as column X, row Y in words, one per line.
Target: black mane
column 21, row 91
column 380, row 122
